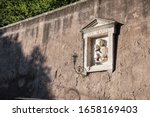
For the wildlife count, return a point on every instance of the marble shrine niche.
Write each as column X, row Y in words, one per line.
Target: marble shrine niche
column 98, row 39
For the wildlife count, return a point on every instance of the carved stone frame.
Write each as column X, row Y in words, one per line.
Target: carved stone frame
column 91, row 33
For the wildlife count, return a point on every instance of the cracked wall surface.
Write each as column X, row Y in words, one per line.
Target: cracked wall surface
column 57, row 34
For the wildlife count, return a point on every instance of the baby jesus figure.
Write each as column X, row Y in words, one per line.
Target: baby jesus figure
column 101, row 52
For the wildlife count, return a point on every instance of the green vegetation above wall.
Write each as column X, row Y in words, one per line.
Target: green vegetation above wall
column 15, row 10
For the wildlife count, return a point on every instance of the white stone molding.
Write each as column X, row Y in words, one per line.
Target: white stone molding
column 98, row 41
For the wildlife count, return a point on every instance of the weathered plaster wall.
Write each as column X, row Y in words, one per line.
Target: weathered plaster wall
column 41, row 48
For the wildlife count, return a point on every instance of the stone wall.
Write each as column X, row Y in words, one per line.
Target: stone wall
column 35, row 54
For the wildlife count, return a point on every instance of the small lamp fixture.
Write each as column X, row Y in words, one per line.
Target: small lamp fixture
column 78, row 69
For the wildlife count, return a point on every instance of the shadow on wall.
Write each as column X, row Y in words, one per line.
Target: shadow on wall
column 20, row 76
column 116, row 37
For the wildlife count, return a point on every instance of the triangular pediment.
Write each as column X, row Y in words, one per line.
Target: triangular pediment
column 98, row 22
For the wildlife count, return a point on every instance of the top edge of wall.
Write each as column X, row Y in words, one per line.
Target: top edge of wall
column 43, row 14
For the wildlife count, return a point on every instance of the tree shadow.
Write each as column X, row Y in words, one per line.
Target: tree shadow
column 22, row 76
